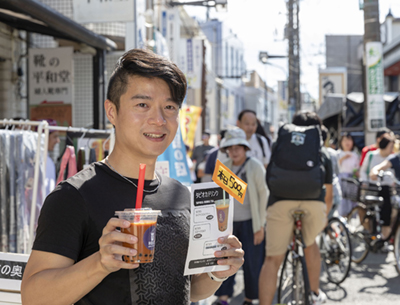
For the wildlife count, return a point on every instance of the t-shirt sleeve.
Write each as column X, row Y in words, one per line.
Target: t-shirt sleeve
column 62, row 223
column 395, row 161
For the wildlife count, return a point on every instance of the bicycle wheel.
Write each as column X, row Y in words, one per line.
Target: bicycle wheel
column 336, row 250
column 397, row 248
column 291, row 290
column 359, row 227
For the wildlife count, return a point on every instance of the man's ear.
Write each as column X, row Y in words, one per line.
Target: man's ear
column 238, row 123
column 111, row 111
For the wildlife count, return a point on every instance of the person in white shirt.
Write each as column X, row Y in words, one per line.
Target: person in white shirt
column 247, row 120
column 372, row 159
column 348, row 161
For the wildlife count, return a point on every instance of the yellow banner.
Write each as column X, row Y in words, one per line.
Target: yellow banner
column 231, row 183
column 189, row 118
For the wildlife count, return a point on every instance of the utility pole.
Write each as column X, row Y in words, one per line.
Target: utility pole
column 294, row 54
column 374, row 105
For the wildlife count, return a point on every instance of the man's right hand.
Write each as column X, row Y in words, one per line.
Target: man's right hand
column 111, row 249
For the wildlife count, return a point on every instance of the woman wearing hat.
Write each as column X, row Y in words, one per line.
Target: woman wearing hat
column 249, row 217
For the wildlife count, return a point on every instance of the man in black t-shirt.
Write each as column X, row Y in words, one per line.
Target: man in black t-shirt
column 279, row 228
column 76, row 257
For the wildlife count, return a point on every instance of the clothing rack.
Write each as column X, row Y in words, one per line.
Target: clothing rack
column 43, row 128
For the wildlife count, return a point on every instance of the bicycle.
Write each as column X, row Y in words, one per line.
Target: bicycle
column 335, row 249
column 294, row 284
column 364, row 221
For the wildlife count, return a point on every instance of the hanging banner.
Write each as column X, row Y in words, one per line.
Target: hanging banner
column 375, row 86
column 189, row 117
column 175, row 154
column 103, row 11
column 51, row 75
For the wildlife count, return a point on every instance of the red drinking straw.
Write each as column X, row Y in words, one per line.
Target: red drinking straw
column 139, row 195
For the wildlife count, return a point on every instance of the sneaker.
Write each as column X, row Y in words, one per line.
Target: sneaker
column 318, row 299
column 220, row 302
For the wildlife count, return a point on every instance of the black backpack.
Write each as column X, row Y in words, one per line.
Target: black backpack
column 296, row 170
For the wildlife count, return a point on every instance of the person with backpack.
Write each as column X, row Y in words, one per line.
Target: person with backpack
column 299, row 176
column 247, row 120
column 249, row 217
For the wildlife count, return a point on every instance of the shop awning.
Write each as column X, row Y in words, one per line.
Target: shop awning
column 34, row 16
column 332, row 105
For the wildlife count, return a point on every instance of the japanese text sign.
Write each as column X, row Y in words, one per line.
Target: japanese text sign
column 50, row 75
column 12, row 267
column 231, row 183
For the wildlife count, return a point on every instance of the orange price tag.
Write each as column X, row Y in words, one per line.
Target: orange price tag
column 231, row 183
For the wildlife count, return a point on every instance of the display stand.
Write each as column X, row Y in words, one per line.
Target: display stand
column 10, row 287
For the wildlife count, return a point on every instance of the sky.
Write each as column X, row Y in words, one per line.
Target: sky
column 260, row 26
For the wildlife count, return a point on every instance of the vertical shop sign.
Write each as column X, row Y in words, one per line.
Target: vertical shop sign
column 50, row 75
column 375, row 86
column 173, row 33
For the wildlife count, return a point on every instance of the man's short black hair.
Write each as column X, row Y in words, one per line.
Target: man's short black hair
column 145, row 63
column 306, row 118
column 382, row 131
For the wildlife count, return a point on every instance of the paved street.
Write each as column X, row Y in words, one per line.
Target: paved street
column 375, row 281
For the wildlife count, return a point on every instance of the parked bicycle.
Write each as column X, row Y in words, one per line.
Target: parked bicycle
column 335, row 248
column 364, row 223
column 294, row 285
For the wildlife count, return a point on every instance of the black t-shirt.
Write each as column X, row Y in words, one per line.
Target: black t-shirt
column 326, row 161
column 75, row 213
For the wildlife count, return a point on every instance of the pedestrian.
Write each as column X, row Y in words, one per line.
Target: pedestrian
column 76, row 257
column 249, row 217
column 247, row 120
column 348, row 161
column 214, row 155
column 199, row 150
column 373, row 158
column 279, row 228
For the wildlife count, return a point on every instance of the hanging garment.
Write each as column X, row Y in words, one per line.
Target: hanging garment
column 81, row 159
column 3, row 195
column 69, row 159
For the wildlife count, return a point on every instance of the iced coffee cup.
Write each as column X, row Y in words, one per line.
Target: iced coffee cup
column 222, row 213
column 143, row 226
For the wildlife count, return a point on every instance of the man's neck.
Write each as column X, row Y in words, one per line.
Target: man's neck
column 128, row 165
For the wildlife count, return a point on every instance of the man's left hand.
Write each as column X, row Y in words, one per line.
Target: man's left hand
column 233, row 257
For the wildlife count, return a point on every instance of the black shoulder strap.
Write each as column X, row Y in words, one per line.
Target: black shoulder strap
column 240, row 169
column 261, row 144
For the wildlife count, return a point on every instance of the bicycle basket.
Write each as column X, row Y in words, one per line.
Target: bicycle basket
column 350, row 189
column 368, row 188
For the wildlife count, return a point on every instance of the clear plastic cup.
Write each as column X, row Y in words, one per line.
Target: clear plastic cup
column 222, row 206
column 143, row 226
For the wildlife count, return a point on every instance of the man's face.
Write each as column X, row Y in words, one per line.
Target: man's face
column 147, row 120
column 248, row 123
column 53, row 140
